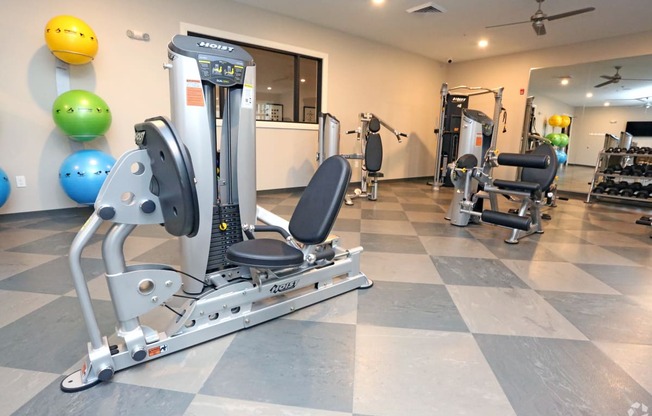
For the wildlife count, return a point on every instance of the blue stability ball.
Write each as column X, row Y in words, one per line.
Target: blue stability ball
column 82, row 174
column 5, row 187
column 562, row 157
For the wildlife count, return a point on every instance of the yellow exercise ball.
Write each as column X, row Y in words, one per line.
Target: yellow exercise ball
column 71, row 40
column 555, row 120
column 565, row 121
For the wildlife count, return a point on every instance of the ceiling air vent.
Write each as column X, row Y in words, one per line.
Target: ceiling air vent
column 429, row 7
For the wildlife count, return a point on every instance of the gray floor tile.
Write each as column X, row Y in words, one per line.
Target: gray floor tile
column 415, row 372
column 258, row 365
column 53, row 337
column 640, row 255
column 440, row 229
column 508, row 311
column 52, row 277
column 476, row 272
column 166, row 253
column 368, row 214
column 107, row 399
column 545, row 377
column 56, row 244
column 409, row 305
column 611, row 318
column 391, row 243
column 628, row 280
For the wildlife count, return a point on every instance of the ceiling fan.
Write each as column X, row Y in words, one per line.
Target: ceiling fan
column 616, row 78
column 539, row 17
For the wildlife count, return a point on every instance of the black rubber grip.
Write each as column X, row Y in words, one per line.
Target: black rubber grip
column 524, row 161
column 506, row 220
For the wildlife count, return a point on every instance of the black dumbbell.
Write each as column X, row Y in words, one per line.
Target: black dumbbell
column 627, row 171
column 636, row 186
column 609, row 150
column 642, row 194
column 626, row 192
column 598, row 190
column 632, row 149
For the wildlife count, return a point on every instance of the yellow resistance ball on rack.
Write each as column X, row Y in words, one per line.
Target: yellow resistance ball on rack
column 71, row 40
column 555, row 121
column 565, row 121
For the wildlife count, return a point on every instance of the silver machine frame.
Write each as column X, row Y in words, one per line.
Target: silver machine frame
column 440, row 168
column 368, row 185
column 209, row 296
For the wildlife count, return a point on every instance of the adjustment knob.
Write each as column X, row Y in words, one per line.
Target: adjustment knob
column 106, row 212
column 148, row 206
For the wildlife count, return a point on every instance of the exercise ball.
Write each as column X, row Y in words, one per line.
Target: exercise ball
column 71, row 40
column 555, row 120
column 563, row 140
column 554, row 138
column 565, row 121
column 5, row 187
column 562, row 157
column 81, row 114
column 82, row 174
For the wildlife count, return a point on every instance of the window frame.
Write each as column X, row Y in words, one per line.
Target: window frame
column 298, row 52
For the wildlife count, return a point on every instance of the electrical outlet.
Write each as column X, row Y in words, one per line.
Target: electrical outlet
column 21, row 182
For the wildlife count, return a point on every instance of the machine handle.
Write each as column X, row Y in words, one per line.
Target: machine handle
column 525, row 161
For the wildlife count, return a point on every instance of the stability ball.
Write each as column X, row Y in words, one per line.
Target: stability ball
column 554, row 138
column 563, row 140
column 565, row 121
column 82, row 174
column 81, row 114
column 71, row 40
column 562, row 157
column 5, row 187
column 555, row 120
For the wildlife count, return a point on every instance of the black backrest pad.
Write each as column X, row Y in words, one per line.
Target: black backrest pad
column 315, row 214
column 467, row 161
column 374, row 125
column 543, row 177
column 172, row 176
column 373, row 153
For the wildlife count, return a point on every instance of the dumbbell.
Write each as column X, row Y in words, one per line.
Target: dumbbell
column 642, row 194
column 609, row 150
column 627, row 171
column 632, row 149
column 636, row 186
column 626, row 192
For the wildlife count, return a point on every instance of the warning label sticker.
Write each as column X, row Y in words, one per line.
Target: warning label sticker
column 194, row 93
column 248, row 96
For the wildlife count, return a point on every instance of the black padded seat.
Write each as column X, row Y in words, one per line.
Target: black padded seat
column 311, row 222
column 517, row 185
column 265, row 253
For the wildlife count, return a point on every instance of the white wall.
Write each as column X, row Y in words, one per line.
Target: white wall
column 592, row 123
column 128, row 75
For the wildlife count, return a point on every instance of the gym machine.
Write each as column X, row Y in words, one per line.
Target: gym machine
column 452, row 138
column 371, row 150
column 538, row 170
column 226, row 283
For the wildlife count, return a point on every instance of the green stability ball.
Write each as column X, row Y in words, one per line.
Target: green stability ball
column 81, row 115
column 563, row 140
column 554, row 138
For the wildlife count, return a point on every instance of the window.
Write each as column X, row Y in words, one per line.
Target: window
column 288, row 84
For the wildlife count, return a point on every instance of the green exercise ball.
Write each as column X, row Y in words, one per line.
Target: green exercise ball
column 81, row 115
column 554, row 138
column 563, row 140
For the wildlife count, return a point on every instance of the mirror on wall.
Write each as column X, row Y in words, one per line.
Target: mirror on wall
column 600, row 97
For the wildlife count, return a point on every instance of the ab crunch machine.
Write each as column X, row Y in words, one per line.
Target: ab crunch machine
column 226, row 282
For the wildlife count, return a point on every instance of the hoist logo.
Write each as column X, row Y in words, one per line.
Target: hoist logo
column 215, row 46
column 278, row 288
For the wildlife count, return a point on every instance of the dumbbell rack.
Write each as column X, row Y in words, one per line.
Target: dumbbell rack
column 602, row 173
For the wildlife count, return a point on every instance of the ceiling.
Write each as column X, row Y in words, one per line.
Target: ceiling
column 454, row 34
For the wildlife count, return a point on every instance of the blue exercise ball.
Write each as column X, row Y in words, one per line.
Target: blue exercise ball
column 5, row 187
column 562, row 157
column 82, row 174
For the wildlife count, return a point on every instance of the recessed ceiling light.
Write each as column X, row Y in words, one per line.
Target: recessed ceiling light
column 303, row 80
column 564, row 81
column 589, row 94
column 483, row 43
column 269, row 88
column 607, row 103
column 378, row 2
